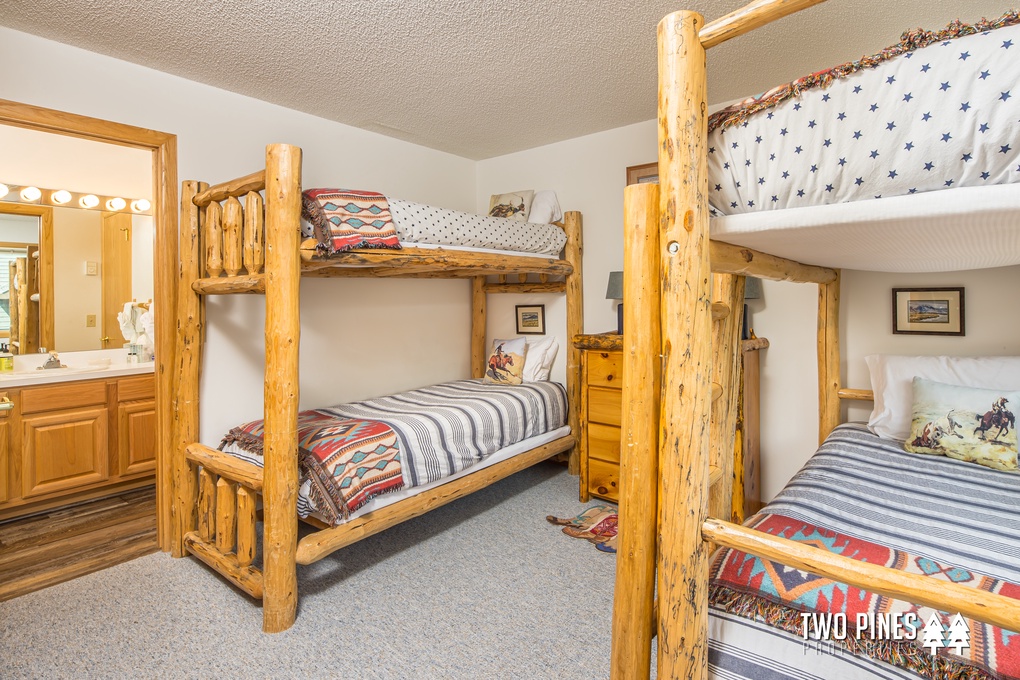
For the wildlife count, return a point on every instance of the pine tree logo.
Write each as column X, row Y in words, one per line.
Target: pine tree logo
column 937, row 636
column 934, row 634
column 959, row 635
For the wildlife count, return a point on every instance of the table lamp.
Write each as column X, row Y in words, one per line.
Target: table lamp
column 615, row 292
column 752, row 291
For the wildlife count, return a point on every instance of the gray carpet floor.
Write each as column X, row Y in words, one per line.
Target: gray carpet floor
column 482, row 588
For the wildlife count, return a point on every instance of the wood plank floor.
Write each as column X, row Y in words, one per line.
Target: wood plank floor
column 65, row 543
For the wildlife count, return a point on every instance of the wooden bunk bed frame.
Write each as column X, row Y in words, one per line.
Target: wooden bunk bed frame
column 678, row 435
column 226, row 247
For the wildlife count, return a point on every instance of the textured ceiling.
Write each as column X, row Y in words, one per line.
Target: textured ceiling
column 476, row 78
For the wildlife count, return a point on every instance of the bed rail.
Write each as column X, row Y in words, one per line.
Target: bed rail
column 226, row 498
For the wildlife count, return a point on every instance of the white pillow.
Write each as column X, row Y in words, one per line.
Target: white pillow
column 545, row 208
column 892, row 377
column 539, row 359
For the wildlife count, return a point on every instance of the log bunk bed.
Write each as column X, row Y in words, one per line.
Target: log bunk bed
column 235, row 241
column 681, row 364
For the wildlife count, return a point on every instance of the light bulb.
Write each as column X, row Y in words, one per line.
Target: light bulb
column 30, row 194
column 89, row 201
column 140, row 205
column 116, row 204
column 60, row 197
column 4, row 190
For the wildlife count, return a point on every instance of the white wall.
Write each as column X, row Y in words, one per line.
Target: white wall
column 359, row 338
column 589, row 175
column 77, row 239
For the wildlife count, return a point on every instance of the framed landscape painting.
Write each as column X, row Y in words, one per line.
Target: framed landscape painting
column 928, row 311
column 530, row 319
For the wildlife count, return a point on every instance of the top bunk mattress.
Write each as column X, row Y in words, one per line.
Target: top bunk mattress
column 342, row 220
column 934, row 113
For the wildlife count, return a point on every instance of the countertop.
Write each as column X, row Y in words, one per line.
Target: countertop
column 26, row 375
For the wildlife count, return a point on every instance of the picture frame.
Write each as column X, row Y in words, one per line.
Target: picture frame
column 928, row 311
column 530, row 319
column 643, row 174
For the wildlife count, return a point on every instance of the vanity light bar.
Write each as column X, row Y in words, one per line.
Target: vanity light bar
column 32, row 195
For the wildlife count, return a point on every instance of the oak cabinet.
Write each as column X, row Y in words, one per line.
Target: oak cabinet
column 64, row 450
column 67, row 442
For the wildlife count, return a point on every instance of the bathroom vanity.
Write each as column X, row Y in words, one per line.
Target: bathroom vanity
column 74, row 433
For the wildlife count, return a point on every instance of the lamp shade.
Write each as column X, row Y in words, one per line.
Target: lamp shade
column 615, row 289
column 752, row 288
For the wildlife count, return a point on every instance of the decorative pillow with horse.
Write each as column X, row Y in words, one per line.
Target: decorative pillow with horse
column 513, row 206
column 506, row 362
column 966, row 423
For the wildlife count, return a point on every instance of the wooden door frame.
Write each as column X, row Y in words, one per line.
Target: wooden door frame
column 45, row 215
column 164, row 261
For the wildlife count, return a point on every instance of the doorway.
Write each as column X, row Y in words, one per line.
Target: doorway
column 163, row 149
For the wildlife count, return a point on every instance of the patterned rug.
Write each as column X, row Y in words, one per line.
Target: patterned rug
column 597, row 524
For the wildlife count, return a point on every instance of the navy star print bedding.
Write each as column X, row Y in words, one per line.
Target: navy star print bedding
column 941, row 116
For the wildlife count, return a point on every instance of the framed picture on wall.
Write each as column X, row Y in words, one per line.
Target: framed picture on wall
column 928, row 311
column 530, row 319
column 641, row 174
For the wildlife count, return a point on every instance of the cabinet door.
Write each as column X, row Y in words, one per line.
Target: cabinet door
column 64, row 450
column 137, row 436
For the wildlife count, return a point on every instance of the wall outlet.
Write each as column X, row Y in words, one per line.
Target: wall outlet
column 91, row 269
column 90, row 321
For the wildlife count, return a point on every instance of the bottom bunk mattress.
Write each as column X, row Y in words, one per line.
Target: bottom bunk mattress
column 353, row 453
column 864, row 497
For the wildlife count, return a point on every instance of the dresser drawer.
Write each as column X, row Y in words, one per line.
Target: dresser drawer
column 604, row 442
column 604, row 405
column 605, row 368
column 604, row 479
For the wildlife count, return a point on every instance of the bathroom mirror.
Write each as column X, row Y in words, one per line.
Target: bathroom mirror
column 80, row 265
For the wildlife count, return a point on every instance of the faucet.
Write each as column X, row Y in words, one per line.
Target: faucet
column 53, row 362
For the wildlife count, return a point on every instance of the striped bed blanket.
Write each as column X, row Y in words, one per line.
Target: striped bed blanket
column 354, row 452
column 864, row 497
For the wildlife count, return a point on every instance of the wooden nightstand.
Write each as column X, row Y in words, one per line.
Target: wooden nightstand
column 601, row 406
column 601, row 397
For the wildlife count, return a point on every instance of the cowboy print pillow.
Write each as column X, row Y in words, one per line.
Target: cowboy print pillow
column 505, row 365
column 966, row 423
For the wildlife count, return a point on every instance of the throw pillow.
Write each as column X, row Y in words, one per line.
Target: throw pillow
column 966, row 423
column 515, row 206
column 545, row 208
column 505, row 365
column 540, row 357
column 891, row 376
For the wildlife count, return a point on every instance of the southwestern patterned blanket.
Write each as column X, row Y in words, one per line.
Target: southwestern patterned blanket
column 354, row 452
column 864, row 497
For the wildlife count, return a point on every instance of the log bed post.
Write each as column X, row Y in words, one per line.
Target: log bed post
column 283, row 330
column 190, row 330
column 573, row 251
column 479, row 302
column 828, row 358
column 686, row 347
column 634, row 596
column 727, row 362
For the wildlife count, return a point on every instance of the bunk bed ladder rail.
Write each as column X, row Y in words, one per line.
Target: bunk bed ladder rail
column 224, row 537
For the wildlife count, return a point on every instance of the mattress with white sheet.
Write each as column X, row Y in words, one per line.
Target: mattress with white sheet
column 907, row 160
